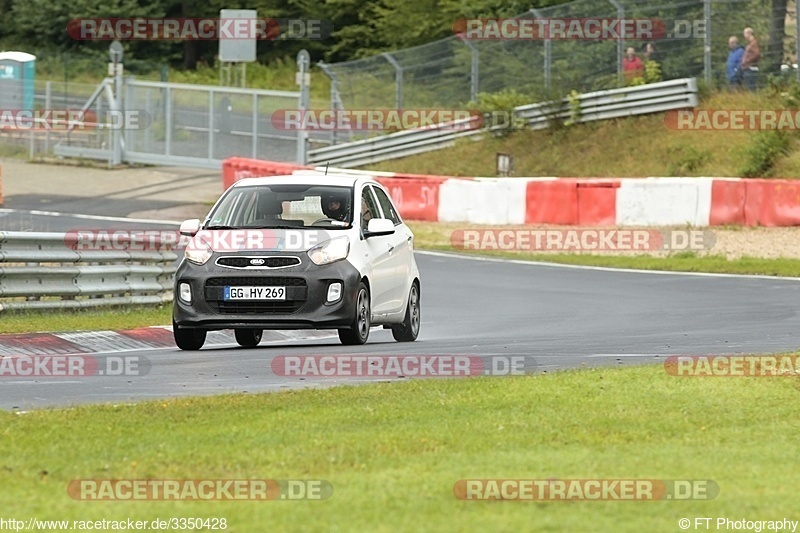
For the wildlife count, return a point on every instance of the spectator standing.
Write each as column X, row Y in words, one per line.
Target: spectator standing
column 649, row 52
column 733, row 68
column 632, row 66
column 752, row 53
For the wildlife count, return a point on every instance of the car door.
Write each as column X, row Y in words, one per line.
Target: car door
column 379, row 256
column 401, row 251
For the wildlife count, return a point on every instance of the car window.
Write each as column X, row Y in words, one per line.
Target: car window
column 369, row 209
column 386, row 206
column 297, row 206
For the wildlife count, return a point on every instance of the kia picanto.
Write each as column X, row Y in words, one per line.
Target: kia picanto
column 307, row 251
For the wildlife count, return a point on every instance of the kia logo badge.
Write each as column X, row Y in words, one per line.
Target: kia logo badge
column 256, row 262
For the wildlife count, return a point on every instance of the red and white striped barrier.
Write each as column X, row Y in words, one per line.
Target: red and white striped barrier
column 654, row 201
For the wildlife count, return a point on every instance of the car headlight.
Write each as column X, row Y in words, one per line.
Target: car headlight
column 198, row 252
column 330, row 251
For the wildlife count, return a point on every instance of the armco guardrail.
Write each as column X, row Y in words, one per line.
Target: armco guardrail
column 600, row 105
column 616, row 103
column 50, row 271
column 394, row 145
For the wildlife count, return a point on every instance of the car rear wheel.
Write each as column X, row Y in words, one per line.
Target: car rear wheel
column 188, row 339
column 358, row 333
column 409, row 329
column 248, row 337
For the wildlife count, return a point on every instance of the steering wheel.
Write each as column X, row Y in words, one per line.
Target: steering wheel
column 321, row 220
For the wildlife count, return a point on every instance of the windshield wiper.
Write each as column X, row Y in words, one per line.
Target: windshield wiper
column 220, row 227
column 276, row 227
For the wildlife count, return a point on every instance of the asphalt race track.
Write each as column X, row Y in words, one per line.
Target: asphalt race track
column 555, row 317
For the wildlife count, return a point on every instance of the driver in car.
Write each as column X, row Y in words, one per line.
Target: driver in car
column 335, row 207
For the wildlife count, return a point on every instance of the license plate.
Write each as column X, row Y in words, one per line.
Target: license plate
column 255, row 293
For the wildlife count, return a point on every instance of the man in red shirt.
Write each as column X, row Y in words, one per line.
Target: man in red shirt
column 632, row 66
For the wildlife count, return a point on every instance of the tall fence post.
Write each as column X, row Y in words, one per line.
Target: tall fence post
column 707, row 41
column 797, row 38
column 211, row 124
column 336, row 97
column 48, row 104
column 118, row 108
column 548, row 53
column 398, row 80
column 620, row 43
column 254, row 151
column 303, row 79
column 474, row 80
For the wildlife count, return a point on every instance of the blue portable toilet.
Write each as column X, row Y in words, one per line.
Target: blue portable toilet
column 17, row 73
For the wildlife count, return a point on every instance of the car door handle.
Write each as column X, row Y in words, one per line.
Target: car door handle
column 391, row 248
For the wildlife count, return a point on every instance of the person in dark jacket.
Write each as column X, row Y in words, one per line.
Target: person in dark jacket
column 733, row 68
column 752, row 53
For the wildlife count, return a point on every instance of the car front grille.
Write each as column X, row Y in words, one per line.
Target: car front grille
column 268, row 262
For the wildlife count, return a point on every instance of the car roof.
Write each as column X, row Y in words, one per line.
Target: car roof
column 306, row 178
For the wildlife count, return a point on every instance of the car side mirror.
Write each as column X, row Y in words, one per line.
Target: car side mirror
column 379, row 226
column 190, row 227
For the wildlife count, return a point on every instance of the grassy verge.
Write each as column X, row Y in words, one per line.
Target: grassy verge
column 435, row 236
column 33, row 321
column 642, row 146
column 394, row 452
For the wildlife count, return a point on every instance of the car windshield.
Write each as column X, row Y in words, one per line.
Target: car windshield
column 284, row 207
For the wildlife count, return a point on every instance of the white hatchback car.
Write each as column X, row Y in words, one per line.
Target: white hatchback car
column 307, row 251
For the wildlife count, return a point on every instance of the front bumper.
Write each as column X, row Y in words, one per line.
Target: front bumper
column 305, row 306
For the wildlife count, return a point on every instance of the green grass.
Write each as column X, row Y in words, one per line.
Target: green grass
column 630, row 147
column 89, row 320
column 394, row 451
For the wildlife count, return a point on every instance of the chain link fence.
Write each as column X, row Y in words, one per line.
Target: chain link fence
column 452, row 72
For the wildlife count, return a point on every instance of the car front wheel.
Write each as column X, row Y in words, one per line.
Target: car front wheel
column 188, row 339
column 358, row 333
column 408, row 330
column 248, row 337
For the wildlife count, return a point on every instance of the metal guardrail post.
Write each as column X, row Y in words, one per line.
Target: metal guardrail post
column 398, row 80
